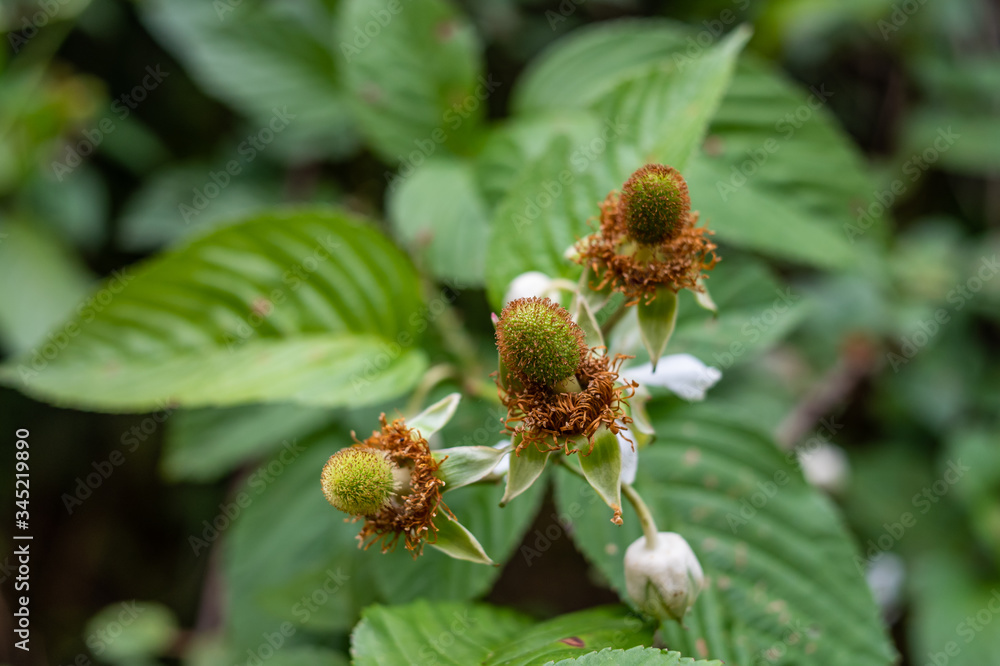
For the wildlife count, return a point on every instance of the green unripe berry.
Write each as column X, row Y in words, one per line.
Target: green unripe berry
column 358, row 480
column 654, row 204
column 538, row 341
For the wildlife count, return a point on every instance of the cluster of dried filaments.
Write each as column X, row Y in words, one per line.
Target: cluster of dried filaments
column 548, row 420
column 412, row 514
column 637, row 270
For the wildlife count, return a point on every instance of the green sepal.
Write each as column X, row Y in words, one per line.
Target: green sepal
column 524, row 470
column 657, row 321
column 454, row 540
column 602, row 468
column 436, row 416
column 463, row 465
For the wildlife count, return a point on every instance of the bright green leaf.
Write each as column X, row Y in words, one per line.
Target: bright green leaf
column 637, row 656
column 574, row 635
column 441, row 633
column 304, row 305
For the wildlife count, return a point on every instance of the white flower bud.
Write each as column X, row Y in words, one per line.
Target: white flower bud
column 532, row 283
column 826, row 467
column 663, row 581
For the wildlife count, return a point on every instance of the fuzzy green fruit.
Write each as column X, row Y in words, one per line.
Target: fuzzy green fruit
column 358, row 480
column 654, row 204
column 538, row 341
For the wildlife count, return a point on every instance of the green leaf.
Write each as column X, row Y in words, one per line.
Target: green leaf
column 574, row 635
column 637, row 656
column 520, row 140
column 51, row 282
column 657, row 321
column 525, row 467
column 466, row 464
column 667, row 110
column 436, row 416
column 441, row 633
column 777, row 175
column 454, row 540
column 204, row 444
column 783, row 566
column 603, row 55
column 263, row 58
column 415, row 82
column 304, row 305
column 440, row 215
column 603, row 469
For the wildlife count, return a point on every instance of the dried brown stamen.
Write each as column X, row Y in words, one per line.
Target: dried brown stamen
column 552, row 421
column 412, row 514
column 638, row 272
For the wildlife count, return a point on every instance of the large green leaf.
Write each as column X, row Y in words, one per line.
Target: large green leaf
column 413, row 72
column 659, row 115
column 263, row 57
column 440, row 633
column 577, row 71
column 305, row 305
column 778, row 176
column 782, row 577
column 637, row 656
column 667, row 108
column 574, row 635
column 440, row 215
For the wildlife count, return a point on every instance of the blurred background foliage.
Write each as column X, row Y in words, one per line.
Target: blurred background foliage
column 93, row 179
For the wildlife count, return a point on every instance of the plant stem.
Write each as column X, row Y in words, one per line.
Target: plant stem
column 645, row 516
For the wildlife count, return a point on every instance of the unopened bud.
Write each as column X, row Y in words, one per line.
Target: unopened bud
column 665, row 580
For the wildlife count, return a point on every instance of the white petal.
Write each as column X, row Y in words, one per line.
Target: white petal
column 630, row 458
column 681, row 373
column 826, row 467
column 526, row 285
column 504, row 465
